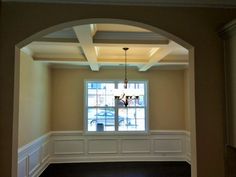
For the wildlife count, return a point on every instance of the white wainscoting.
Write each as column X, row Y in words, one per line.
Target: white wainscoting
column 74, row 146
column 156, row 146
column 34, row 157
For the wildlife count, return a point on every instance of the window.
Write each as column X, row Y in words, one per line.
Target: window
column 105, row 114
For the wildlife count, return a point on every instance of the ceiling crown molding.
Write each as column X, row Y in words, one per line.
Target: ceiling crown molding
column 177, row 3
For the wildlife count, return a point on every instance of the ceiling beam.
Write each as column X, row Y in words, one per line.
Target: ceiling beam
column 84, row 34
column 157, row 56
column 111, row 37
column 138, row 61
column 100, row 43
column 58, row 57
column 61, row 40
column 105, row 42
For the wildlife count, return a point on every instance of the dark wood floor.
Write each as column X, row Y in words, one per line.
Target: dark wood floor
column 119, row 169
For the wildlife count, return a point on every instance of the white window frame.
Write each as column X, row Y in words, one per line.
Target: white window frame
column 116, row 132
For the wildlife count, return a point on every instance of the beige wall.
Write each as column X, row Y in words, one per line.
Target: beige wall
column 34, row 107
column 166, row 96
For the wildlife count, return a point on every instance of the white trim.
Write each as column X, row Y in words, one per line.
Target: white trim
column 24, row 150
column 37, row 165
column 168, row 132
column 74, row 146
column 27, row 51
column 115, row 159
column 188, row 147
column 170, row 151
column 41, row 168
column 67, row 133
column 34, row 155
column 177, row 139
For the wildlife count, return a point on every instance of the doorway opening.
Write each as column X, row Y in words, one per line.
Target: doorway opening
column 51, row 67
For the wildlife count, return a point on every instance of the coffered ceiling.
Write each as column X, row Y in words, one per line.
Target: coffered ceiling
column 100, row 45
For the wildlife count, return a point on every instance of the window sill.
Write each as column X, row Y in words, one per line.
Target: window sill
column 124, row 133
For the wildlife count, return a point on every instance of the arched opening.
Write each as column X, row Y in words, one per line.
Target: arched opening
column 191, row 101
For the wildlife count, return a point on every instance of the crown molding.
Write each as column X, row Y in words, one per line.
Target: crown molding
column 172, row 3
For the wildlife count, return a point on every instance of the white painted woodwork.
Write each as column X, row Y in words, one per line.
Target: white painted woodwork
column 119, row 28
column 23, row 167
column 168, row 145
column 34, row 160
column 84, row 34
column 99, row 45
column 136, row 146
column 129, row 38
column 34, row 157
column 102, row 146
column 188, row 148
column 157, row 56
column 74, row 146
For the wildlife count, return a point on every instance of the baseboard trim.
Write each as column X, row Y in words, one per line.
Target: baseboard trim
column 115, row 159
column 41, row 168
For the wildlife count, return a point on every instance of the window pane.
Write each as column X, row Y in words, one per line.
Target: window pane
column 92, row 100
column 140, row 101
column 131, row 119
column 100, row 94
column 101, row 119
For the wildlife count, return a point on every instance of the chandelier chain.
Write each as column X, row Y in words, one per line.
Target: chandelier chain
column 126, row 79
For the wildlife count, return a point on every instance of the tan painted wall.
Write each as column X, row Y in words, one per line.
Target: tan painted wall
column 187, row 99
column 166, row 96
column 34, row 107
column 197, row 26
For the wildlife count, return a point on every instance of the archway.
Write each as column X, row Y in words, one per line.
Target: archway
column 119, row 21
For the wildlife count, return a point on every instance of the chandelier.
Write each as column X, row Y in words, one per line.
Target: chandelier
column 126, row 95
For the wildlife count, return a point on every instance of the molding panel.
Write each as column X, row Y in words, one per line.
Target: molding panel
column 135, row 146
column 102, row 146
column 34, row 157
column 74, row 146
column 22, row 167
column 155, row 146
column 168, row 146
column 69, row 146
column 34, row 161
